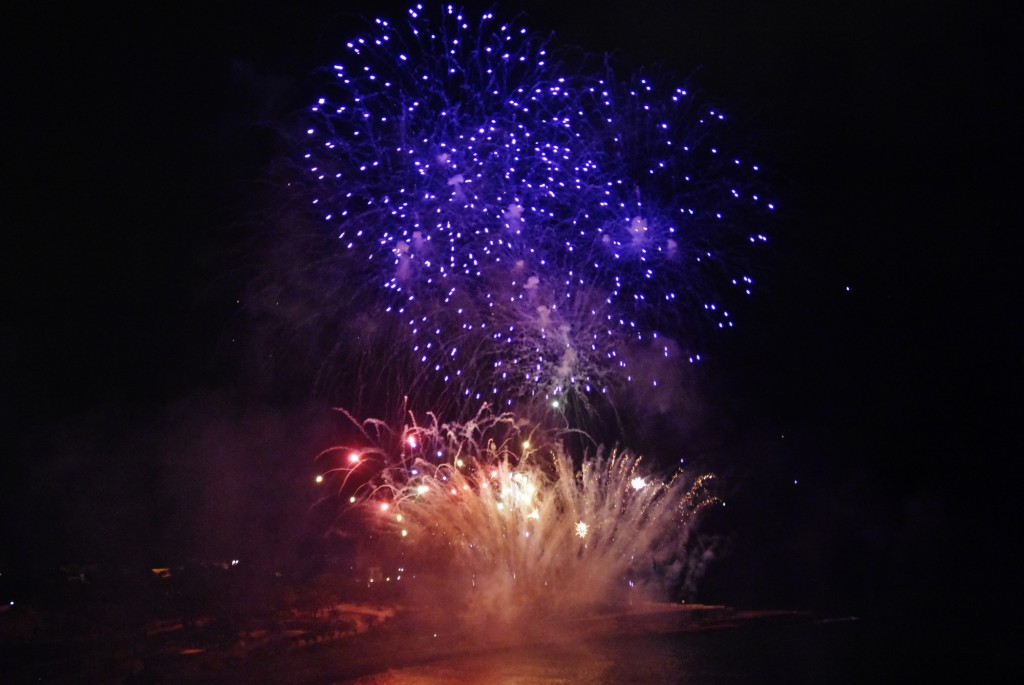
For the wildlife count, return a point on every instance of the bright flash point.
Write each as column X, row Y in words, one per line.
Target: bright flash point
column 421, row 489
column 638, row 483
column 384, row 506
column 319, row 478
column 581, row 529
column 554, row 404
column 411, row 441
column 404, row 532
column 526, row 444
column 352, row 499
column 353, row 458
column 460, row 463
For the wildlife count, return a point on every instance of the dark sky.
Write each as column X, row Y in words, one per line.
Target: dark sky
column 136, row 153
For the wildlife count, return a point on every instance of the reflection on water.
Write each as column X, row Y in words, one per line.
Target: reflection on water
column 505, row 668
column 809, row 653
column 821, row 652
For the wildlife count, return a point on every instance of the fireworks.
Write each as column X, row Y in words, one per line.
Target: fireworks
column 517, row 221
column 516, row 226
column 515, row 530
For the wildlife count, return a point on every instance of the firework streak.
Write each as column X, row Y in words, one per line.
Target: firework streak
column 507, row 528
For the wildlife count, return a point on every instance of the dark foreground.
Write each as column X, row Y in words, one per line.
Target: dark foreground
column 218, row 624
column 355, row 644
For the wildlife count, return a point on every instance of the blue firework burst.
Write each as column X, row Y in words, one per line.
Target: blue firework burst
column 529, row 222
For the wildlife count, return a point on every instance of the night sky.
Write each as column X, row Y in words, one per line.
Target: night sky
column 860, row 417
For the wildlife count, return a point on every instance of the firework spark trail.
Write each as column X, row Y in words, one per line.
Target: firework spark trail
column 518, row 530
column 527, row 220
